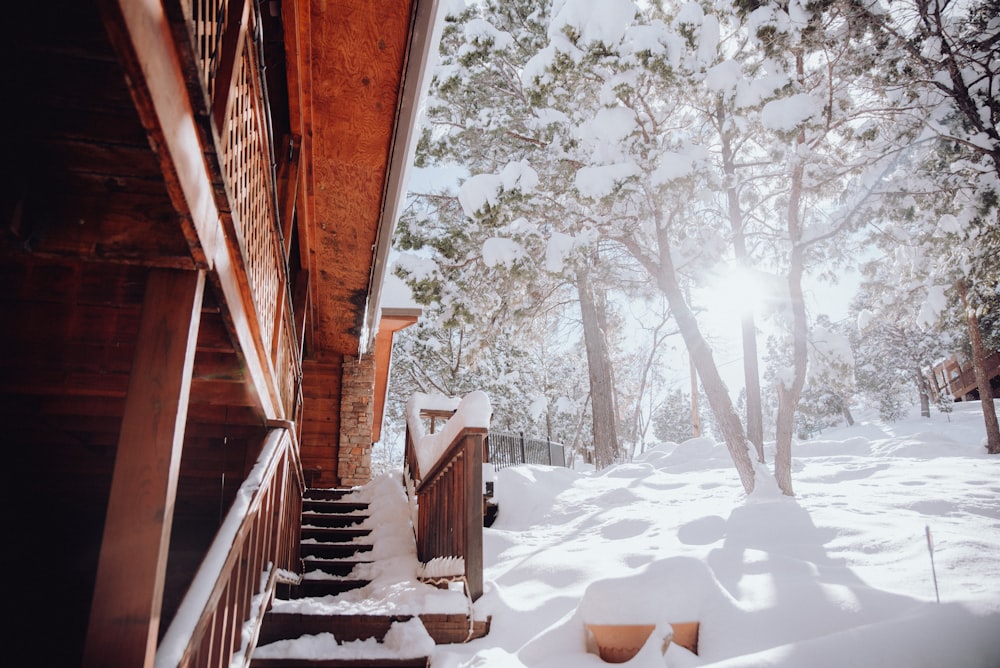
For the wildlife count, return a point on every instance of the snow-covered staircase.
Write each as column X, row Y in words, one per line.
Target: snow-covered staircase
column 338, row 614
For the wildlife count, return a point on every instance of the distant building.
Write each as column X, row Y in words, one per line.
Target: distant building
column 956, row 378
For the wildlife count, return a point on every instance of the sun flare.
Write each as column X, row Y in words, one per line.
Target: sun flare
column 737, row 290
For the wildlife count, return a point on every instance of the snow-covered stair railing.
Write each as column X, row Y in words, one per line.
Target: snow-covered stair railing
column 444, row 471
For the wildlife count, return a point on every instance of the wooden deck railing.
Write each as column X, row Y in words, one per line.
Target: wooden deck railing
column 226, row 44
column 220, row 616
column 450, row 503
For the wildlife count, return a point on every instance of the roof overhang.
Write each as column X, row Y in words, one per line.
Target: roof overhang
column 358, row 69
column 392, row 320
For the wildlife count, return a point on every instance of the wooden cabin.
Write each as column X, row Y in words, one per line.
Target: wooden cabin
column 198, row 200
column 956, row 378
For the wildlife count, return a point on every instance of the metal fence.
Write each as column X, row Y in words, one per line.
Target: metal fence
column 506, row 449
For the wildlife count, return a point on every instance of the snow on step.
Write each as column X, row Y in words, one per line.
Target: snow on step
column 404, row 640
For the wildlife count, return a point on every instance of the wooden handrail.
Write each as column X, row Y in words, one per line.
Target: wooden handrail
column 450, row 503
column 259, row 536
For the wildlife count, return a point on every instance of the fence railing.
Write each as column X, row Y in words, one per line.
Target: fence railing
column 449, row 502
column 221, row 614
column 506, row 449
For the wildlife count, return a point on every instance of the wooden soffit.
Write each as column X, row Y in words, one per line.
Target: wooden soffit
column 347, row 62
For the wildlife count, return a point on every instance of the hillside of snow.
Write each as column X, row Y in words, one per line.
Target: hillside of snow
column 841, row 575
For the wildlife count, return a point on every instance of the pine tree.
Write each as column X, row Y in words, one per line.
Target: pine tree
column 947, row 191
column 672, row 423
column 894, row 352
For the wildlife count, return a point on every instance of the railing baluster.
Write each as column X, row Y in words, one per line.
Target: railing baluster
column 260, row 540
column 224, row 43
column 449, row 500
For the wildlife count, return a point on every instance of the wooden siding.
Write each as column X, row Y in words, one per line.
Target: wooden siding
column 321, row 422
column 120, row 164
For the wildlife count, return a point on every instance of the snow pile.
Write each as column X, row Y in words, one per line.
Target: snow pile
column 502, row 251
column 471, row 412
column 788, row 113
column 839, row 575
column 601, row 181
column 604, row 22
column 442, row 567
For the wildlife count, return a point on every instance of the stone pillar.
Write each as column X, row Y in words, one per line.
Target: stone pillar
column 356, row 416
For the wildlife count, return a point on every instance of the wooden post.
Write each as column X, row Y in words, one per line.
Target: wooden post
column 128, row 593
column 474, row 513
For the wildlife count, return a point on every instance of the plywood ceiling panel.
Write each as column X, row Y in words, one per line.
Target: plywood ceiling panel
column 358, row 51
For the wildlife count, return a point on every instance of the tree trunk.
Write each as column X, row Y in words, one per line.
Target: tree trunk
column 636, row 432
column 695, row 418
column 751, row 375
column 846, row 410
column 790, row 390
column 982, row 380
column 751, row 372
column 602, row 389
column 701, row 355
column 923, row 391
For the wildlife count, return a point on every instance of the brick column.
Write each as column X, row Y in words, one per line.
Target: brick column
column 356, row 416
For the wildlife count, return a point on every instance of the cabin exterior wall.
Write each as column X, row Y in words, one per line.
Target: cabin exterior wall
column 184, row 137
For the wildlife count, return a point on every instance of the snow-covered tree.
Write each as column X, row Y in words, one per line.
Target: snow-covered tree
column 672, row 422
column 685, row 135
column 830, row 384
column 895, row 344
column 945, row 208
column 479, row 116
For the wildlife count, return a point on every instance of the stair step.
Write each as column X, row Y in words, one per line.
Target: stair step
column 333, row 550
column 332, row 519
column 309, row 588
column 333, row 534
column 422, row 662
column 329, row 494
column 327, row 506
column 444, row 629
column 341, row 567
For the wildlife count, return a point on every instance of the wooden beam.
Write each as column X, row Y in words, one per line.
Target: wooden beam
column 147, row 47
column 298, row 59
column 291, row 168
column 142, row 39
column 300, row 311
column 125, row 613
column 473, row 520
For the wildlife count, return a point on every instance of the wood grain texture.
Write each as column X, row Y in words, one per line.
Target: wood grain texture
column 321, row 421
column 357, row 55
column 124, row 618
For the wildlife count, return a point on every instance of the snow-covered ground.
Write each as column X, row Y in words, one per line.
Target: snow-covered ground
column 841, row 575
